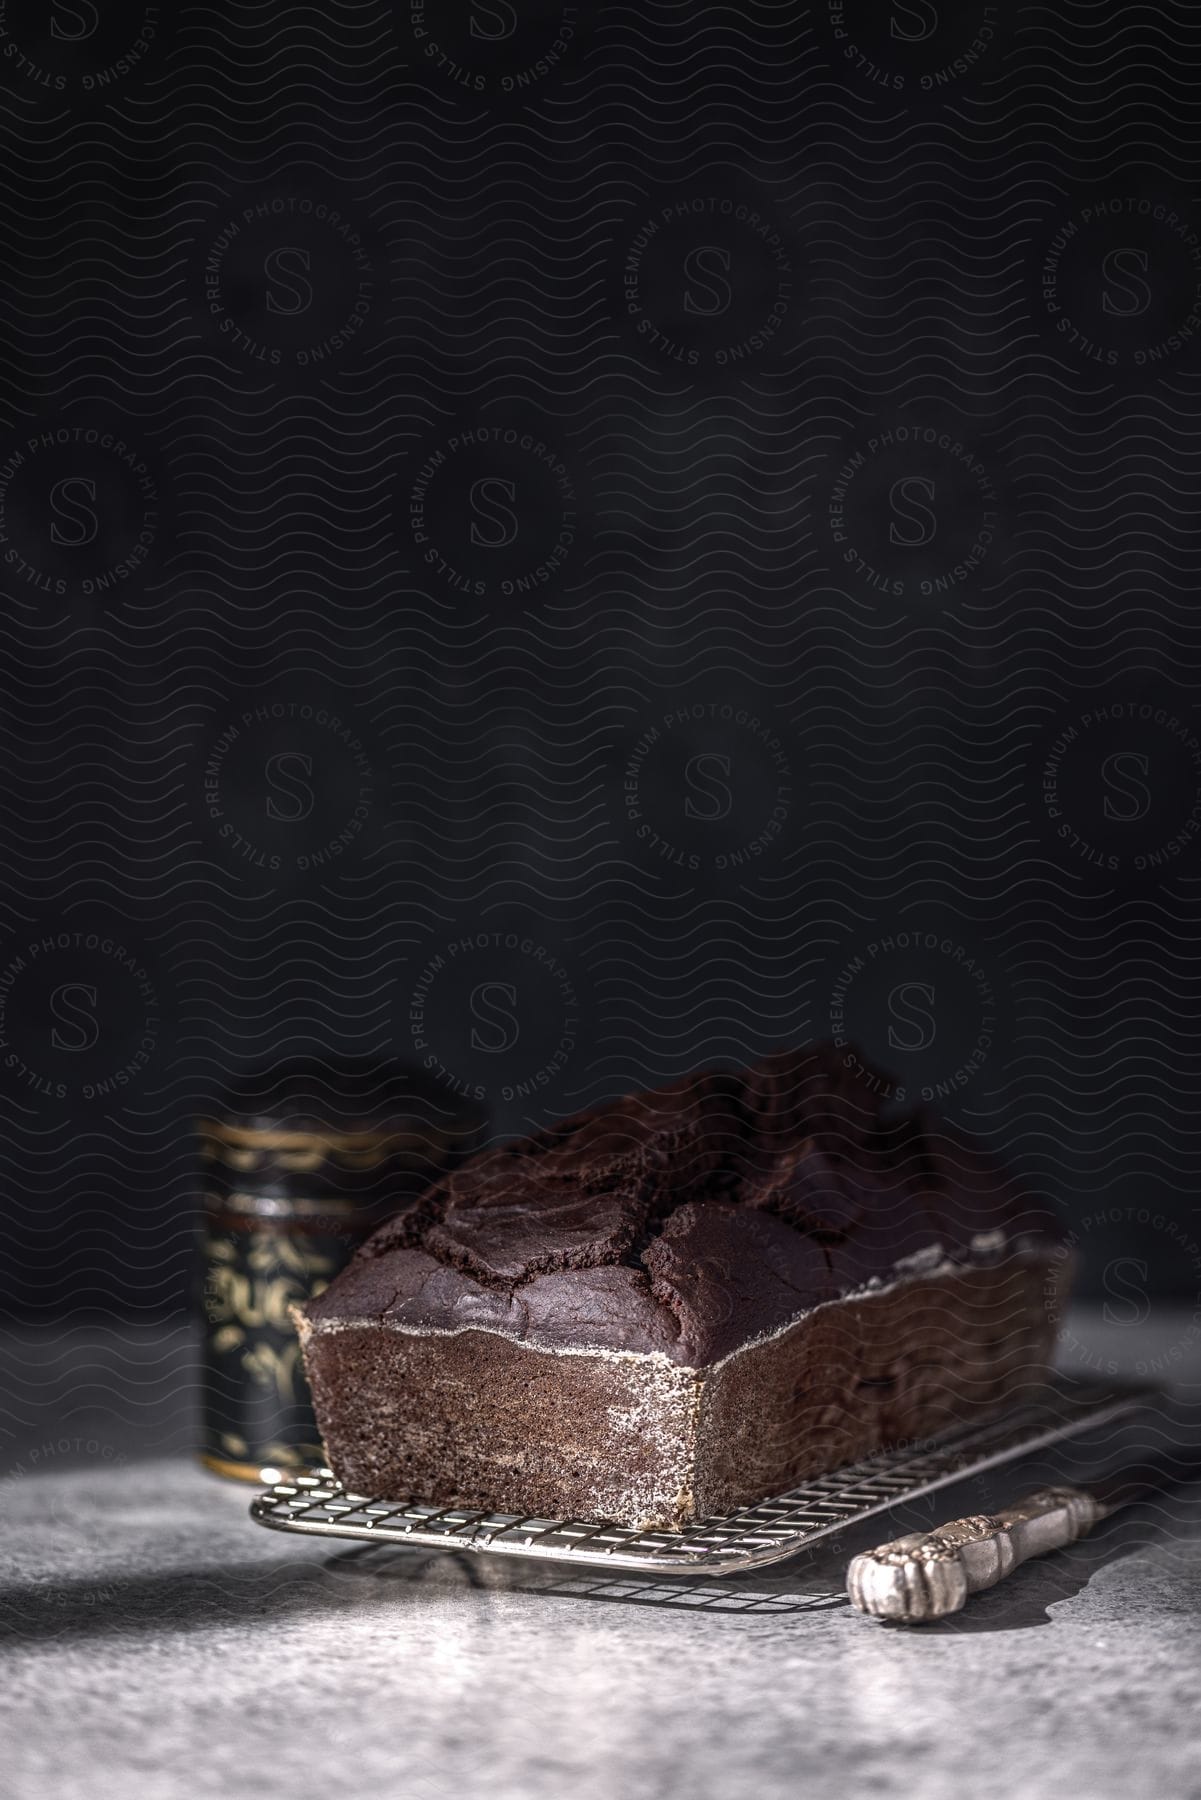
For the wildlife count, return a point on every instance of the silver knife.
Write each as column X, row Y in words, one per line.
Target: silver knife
column 929, row 1574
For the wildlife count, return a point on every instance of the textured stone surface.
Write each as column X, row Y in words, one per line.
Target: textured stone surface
column 159, row 1644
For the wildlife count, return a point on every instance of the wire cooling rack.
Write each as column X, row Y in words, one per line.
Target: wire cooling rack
column 316, row 1503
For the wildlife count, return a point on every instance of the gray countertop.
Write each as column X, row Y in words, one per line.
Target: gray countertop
column 157, row 1643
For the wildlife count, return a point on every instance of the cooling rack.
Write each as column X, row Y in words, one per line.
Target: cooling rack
column 316, row 1504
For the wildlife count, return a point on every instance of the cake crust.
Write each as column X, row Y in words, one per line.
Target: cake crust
column 681, row 1303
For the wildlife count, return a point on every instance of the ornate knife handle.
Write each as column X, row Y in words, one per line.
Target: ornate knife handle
column 929, row 1574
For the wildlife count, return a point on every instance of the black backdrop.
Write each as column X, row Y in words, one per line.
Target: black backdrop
column 577, row 542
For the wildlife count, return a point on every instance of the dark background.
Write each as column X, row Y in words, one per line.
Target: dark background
column 810, row 646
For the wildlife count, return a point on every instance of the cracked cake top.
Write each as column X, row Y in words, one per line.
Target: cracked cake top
column 688, row 1220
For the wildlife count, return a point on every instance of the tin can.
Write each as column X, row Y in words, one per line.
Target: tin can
column 299, row 1165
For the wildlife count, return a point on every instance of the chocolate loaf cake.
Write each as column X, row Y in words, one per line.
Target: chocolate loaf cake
column 681, row 1303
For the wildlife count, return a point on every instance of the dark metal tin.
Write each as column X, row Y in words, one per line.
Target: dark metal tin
column 299, row 1165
